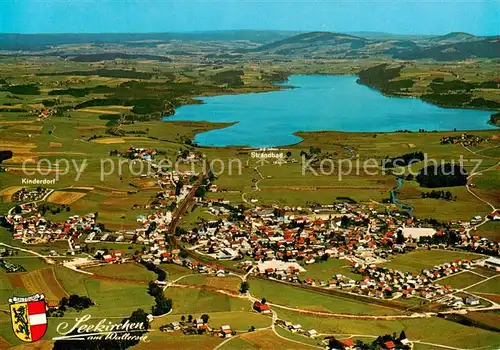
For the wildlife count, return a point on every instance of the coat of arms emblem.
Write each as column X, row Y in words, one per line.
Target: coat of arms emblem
column 29, row 317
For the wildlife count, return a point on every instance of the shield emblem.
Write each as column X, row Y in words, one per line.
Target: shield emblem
column 29, row 317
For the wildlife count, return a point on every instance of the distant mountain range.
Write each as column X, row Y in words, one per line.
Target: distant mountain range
column 37, row 42
column 255, row 44
column 452, row 46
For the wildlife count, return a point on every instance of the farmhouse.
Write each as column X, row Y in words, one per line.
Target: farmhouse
column 348, row 343
column 262, row 308
column 225, row 331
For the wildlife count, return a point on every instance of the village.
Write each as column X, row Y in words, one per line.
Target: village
column 464, row 139
column 277, row 243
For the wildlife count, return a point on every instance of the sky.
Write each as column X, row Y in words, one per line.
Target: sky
column 480, row 17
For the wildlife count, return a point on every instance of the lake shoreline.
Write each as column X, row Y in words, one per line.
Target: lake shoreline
column 323, row 104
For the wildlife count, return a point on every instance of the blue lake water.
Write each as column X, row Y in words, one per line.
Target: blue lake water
column 319, row 102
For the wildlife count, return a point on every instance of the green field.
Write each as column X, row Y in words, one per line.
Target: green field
column 227, row 282
column 238, row 343
column 127, row 270
column 323, row 271
column 490, row 230
column 491, row 286
column 195, row 301
column 461, row 280
column 294, row 297
column 239, row 321
column 105, row 293
column 424, row 259
column 430, row 330
column 175, row 271
column 159, row 341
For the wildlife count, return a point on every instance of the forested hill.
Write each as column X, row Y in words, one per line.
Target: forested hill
column 394, row 80
column 251, row 44
column 485, row 48
column 38, row 42
column 449, row 47
column 313, row 41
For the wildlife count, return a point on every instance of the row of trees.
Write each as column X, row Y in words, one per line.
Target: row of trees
column 446, row 195
column 74, row 301
column 404, row 160
column 162, row 275
column 162, row 304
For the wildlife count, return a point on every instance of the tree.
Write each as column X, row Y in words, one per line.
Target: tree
column 444, row 175
column 200, row 192
column 162, row 306
column 183, row 318
column 400, row 238
column 244, row 287
column 190, row 318
column 178, row 187
column 263, row 301
column 345, row 221
column 79, row 302
column 154, row 290
column 334, row 344
column 205, row 318
column 288, row 154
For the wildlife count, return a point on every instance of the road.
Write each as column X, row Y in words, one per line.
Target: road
column 493, row 209
column 256, row 184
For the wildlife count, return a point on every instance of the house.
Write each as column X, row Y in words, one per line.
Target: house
column 225, row 331
column 389, row 345
column 472, row 301
column 295, row 328
column 262, row 308
column 348, row 343
column 203, row 327
column 405, row 341
column 312, row 333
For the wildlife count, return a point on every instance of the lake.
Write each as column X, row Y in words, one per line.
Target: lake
column 319, row 102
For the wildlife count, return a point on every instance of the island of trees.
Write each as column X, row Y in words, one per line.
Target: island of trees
column 443, row 175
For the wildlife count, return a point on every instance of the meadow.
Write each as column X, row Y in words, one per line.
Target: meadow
column 428, row 330
column 127, row 270
column 228, row 283
column 325, row 270
column 294, row 297
column 491, row 286
column 461, row 280
column 425, row 259
column 201, row 300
